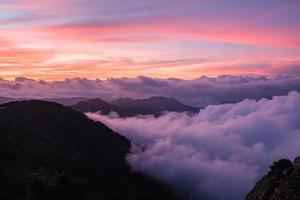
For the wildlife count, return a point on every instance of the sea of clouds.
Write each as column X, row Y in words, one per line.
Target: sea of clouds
column 199, row 92
column 217, row 154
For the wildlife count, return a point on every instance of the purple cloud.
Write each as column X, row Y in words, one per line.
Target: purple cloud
column 197, row 92
column 218, row 153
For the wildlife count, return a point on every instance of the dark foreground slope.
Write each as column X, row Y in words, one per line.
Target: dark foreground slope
column 50, row 152
column 281, row 183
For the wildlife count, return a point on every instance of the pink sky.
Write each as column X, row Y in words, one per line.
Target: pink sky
column 59, row 39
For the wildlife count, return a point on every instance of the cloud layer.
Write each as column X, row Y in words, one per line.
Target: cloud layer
column 197, row 92
column 220, row 152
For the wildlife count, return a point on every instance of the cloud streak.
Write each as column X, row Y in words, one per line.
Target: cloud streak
column 218, row 153
column 226, row 34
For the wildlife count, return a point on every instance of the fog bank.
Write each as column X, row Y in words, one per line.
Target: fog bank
column 218, row 153
column 199, row 92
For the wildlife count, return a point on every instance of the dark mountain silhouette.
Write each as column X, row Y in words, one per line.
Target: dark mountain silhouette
column 158, row 104
column 95, row 105
column 126, row 107
column 66, row 101
column 281, row 183
column 50, row 152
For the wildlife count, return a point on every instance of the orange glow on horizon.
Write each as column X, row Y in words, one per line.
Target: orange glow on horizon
column 178, row 45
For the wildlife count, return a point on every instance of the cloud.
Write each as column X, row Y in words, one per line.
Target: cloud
column 200, row 92
column 198, row 20
column 218, row 153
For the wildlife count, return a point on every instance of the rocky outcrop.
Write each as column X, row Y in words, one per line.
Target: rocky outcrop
column 297, row 163
column 281, row 183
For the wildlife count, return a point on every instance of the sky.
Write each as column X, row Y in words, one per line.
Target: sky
column 58, row 39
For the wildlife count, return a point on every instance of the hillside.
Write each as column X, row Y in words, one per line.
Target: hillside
column 50, row 152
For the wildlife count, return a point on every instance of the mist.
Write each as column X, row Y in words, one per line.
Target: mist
column 216, row 154
column 198, row 92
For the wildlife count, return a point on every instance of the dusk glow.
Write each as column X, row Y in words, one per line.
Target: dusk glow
column 150, row 99
column 55, row 39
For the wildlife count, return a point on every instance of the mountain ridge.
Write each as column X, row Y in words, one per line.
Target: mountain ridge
column 126, row 107
column 51, row 152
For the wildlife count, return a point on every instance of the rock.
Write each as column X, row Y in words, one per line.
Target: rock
column 297, row 163
column 281, row 183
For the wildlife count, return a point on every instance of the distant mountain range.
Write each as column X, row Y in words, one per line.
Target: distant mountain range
column 51, row 152
column 127, row 107
column 66, row 101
